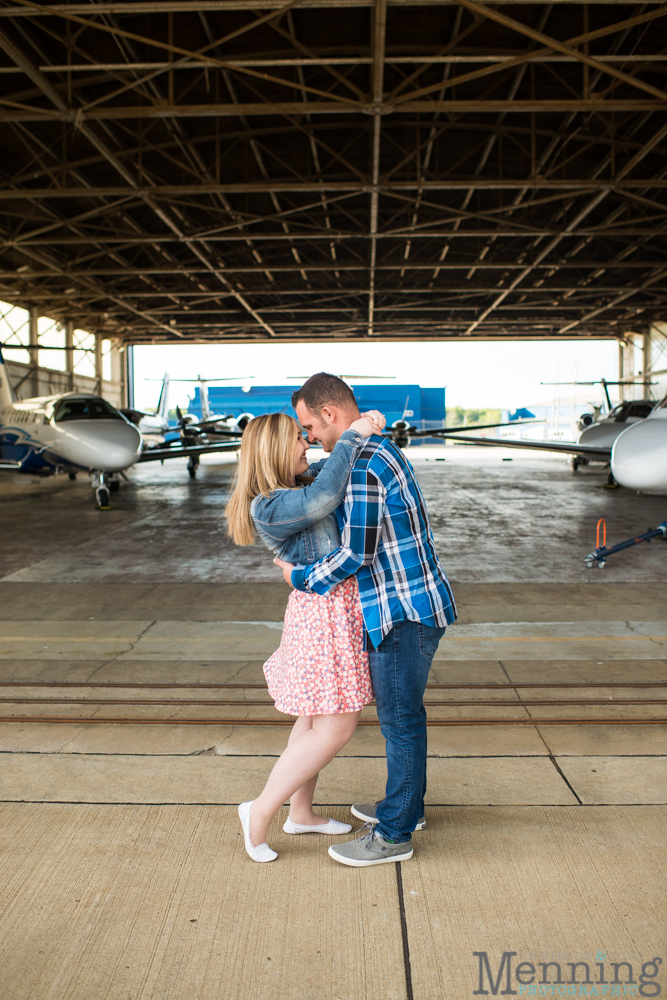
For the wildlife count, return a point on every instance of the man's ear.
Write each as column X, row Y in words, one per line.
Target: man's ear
column 328, row 414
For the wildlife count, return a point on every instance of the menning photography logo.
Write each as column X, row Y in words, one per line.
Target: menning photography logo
column 599, row 977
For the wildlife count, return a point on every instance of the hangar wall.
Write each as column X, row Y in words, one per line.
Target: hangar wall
column 29, row 381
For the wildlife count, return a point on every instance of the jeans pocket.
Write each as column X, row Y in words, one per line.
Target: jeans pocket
column 429, row 639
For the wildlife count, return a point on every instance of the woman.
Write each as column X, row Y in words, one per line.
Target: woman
column 320, row 672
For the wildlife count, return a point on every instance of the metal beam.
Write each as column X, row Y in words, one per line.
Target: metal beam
column 351, row 60
column 578, row 185
column 188, row 269
column 292, row 108
column 176, row 6
column 377, row 93
column 327, row 234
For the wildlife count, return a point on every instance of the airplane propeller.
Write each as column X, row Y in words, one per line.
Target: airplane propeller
column 401, row 431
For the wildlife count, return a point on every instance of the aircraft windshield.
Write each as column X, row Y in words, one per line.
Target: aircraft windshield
column 85, row 409
column 641, row 409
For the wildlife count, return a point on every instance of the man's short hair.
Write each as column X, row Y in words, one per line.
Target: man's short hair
column 324, row 389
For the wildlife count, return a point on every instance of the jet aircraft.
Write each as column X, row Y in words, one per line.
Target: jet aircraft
column 76, row 432
column 603, row 428
column 637, row 454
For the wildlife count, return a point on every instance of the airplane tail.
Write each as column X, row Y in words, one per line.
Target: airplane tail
column 7, row 394
column 203, row 396
column 163, row 402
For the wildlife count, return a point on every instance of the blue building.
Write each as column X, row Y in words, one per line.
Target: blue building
column 423, row 408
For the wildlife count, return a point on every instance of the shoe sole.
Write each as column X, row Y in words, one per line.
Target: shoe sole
column 293, row 833
column 353, row 863
column 373, row 819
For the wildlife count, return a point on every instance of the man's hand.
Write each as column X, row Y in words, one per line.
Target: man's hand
column 287, row 570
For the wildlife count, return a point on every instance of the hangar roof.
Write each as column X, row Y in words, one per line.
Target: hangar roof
column 234, row 170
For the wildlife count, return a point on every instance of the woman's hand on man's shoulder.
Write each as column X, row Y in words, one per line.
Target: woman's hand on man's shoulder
column 370, row 422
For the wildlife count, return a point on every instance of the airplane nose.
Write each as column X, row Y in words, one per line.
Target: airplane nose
column 104, row 445
column 639, row 457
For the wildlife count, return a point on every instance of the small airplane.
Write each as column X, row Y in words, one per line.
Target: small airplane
column 602, row 429
column 636, row 455
column 153, row 426
column 76, row 432
column 213, row 428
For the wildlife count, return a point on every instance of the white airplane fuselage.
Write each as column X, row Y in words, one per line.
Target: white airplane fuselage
column 639, row 454
column 72, row 432
column 603, row 433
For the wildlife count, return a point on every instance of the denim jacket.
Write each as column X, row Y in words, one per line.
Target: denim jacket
column 299, row 525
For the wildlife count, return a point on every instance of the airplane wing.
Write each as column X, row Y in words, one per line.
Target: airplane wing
column 211, row 425
column 440, row 431
column 597, row 454
column 160, row 454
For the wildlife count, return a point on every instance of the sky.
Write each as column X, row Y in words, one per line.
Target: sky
column 502, row 375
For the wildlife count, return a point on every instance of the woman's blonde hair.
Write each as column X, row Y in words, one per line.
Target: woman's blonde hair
column 266, row 463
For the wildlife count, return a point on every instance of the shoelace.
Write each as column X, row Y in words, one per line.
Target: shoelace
column 368, row 837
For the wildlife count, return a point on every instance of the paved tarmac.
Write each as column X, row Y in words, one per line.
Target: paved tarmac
column 122, row 869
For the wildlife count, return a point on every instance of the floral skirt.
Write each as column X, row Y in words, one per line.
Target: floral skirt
column 320, row 667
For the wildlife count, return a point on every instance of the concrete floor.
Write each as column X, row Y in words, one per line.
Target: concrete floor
column 497, row 516
column 122, row 869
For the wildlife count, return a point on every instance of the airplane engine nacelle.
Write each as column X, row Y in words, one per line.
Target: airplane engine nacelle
column 585, row 420
column 243, row 421
column 400, row 433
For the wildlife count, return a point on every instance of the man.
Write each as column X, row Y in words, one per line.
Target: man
column 406, row 602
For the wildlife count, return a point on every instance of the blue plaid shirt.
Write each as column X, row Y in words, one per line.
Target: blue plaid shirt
column 386, row 541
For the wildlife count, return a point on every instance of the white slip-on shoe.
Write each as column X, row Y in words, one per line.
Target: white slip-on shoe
column 332, row 826
column 261, row 853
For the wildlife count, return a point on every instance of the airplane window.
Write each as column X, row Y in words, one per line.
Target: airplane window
column 85, row 409
column 640, row 409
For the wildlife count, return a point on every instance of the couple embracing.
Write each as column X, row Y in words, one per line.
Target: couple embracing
column 369, row 605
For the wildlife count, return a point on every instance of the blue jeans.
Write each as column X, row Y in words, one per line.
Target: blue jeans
column 399, row 670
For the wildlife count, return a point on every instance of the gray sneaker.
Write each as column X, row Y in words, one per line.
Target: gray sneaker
column 366, row 811
column 372, row 849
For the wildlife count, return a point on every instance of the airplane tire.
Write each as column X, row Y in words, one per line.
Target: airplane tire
column 72, row 475
column 114, row 485
column 102, row 496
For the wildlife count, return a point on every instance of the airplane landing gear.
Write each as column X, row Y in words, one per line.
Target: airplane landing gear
column 611, row 483
column 114, row 482
column 193, row 465
column 72, row 475
column 102, row 487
